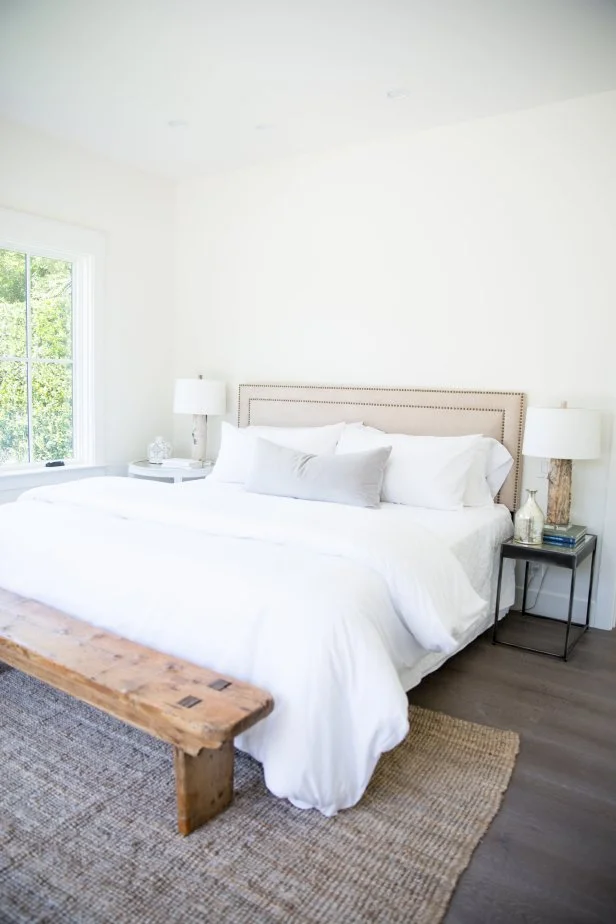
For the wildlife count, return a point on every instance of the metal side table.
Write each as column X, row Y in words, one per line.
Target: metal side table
column 561, row 557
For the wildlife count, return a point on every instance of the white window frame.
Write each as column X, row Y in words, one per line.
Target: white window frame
column 85, row 250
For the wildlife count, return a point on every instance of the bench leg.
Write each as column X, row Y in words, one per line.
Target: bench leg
column 204, row 785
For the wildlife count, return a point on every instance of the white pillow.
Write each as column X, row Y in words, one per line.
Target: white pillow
column 237, row 446
column 422, row 471
column 491, row 465
column 500, row 463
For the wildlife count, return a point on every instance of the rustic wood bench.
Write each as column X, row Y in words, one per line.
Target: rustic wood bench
column 195, row 709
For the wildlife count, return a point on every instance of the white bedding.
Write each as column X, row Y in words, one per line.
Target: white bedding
column 321, row 604
column 474, row 535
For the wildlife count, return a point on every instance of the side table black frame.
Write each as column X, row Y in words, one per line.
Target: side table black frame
column 549, row 555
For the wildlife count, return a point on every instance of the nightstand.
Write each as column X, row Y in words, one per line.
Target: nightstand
column 561, row 557
column 144, row 469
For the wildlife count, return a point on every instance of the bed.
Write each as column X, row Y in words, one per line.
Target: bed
column 315, row 602
column 434, row 412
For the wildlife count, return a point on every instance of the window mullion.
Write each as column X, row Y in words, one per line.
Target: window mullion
column 28, row 360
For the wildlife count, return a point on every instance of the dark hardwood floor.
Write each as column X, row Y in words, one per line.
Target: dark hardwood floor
column 550, row 854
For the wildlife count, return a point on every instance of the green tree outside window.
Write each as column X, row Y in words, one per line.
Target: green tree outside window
column 36, row 358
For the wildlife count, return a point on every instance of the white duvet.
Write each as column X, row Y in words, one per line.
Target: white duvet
column 318, row 603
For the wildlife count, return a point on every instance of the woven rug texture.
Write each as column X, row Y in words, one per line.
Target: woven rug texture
column 87, row 827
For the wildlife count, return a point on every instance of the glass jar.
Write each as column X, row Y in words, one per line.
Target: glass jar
column 528, row 522
column 159, row 450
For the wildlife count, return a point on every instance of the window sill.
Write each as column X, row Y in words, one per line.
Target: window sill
column 19, row 479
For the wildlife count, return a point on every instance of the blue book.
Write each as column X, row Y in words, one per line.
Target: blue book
column 563, row 543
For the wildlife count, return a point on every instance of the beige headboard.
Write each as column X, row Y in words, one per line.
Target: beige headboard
column 420, row 411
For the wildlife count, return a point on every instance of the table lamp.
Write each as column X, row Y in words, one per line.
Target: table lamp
column 561, row 434
column 201, row 398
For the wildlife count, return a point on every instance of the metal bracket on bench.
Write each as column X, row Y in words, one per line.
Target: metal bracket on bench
column 189, row 701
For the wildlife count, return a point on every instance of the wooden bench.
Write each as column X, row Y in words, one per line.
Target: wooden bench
column 195, row 709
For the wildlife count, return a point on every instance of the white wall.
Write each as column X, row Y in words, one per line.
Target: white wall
column 135, row 214
column 475, row 256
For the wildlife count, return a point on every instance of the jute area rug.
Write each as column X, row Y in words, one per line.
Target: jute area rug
column 87, row 827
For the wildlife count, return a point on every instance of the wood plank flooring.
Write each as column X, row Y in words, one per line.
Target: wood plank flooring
column 550, row 854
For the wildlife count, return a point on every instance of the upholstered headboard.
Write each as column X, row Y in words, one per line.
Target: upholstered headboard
column 419, row 411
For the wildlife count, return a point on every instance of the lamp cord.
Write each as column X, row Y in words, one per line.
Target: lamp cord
column 544, row 571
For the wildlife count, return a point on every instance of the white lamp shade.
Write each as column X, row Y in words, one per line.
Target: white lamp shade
column 562, row 433
column 199, row 396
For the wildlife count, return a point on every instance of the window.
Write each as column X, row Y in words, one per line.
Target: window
column 36, row 358
column 47, row 406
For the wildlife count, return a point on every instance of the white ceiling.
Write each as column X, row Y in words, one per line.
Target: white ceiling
column 263, row 79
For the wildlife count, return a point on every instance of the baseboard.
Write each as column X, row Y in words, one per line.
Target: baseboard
column 556, row 605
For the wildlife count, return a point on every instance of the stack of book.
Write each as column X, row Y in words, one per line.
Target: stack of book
column 569, row 537
column 180, row 463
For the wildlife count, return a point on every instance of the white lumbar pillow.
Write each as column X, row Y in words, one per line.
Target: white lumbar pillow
column 422, row 471
column 237, row 446
column 352, row 478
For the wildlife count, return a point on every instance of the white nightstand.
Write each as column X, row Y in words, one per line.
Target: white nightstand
column 144, row 469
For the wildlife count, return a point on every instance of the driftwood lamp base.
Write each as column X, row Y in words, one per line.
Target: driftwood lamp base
column 199, row 437
column 559, row 493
